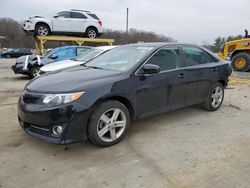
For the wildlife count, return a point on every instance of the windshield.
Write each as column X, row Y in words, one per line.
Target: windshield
column 48, row 53
column 121, row 58
column 90, row 54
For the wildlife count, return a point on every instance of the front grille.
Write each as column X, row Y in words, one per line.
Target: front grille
column 32, row 99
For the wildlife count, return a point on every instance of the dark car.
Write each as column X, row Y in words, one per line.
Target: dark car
column 32, row 65
column 98, row 100
column 17, row 52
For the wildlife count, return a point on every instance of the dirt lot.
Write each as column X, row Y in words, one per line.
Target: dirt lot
column 185, row 148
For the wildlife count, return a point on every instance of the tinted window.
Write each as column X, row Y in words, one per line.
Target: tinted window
column 195, row 56
column 63, row 14
column 78, row 15
column 166, row 59
column 93, row 16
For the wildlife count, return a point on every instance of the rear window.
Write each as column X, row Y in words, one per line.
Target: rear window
column 93, row 16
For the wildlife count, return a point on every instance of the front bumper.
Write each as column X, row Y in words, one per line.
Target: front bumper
column 18, row 70
column 38, row 121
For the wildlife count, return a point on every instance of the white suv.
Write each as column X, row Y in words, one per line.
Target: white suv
column 73, row 22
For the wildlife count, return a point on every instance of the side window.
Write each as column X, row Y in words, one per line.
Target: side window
column 166, row 59
column 77, row 15
column 195, row 56
column 94, row 16
column 63, row 14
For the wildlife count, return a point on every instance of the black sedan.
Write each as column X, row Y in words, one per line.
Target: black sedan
column 17, row 52
column 98, row 100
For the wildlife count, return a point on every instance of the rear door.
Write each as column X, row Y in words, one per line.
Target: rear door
column 200, row 70
column 163, row 91
column 78, row 22
column 62, row 22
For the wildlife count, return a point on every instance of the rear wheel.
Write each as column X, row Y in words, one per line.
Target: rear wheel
column 42, row 30
column 241, row 62
column 91, row 32
column 108, row 123
column 215, row 97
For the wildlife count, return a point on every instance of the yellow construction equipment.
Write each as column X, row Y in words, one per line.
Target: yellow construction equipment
column 40, row 41
column 238, row 52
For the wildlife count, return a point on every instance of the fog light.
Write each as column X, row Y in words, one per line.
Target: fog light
column 57, row 130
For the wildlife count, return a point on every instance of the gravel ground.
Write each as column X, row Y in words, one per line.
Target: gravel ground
column 185, row 148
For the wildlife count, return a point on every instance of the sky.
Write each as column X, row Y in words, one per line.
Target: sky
column 192, row 21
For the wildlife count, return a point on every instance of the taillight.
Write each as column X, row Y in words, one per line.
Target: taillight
column 100, row 22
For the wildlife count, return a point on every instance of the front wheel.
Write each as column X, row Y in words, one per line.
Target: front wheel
column 108, row 123
column 42, row 30
column 215, row 97
column 34, row 72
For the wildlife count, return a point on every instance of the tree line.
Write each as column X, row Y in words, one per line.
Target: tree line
column 16, row 38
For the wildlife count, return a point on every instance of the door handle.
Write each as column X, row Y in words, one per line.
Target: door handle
column 214, row 69
column 181, row 75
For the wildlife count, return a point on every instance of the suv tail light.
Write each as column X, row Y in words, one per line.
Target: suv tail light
column 100, row 22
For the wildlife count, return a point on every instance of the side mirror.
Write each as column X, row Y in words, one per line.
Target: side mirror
column 150, row 69
column 56, row 16
column 53, row 56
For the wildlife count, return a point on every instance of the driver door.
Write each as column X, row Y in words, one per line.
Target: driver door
column 163, row 91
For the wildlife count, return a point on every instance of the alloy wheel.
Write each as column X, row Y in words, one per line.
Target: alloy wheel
column 43, row 31
column 92, row 34
column 111, row 125
column 217, row 97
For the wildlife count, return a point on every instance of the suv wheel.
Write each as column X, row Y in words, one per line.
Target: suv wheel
column 42, row 30
column 108, row 123
column 34, row 72
column 91, row 32
column 214, row 98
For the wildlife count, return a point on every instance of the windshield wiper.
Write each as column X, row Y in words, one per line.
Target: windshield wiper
column 94, row 67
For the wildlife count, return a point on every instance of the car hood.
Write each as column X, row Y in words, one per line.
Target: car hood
column 60, row 65
column 71, row 80
column 22, row 59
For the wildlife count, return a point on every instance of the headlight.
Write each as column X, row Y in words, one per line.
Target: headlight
column 59, row 99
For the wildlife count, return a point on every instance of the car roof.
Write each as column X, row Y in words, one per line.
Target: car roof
column 157, row 45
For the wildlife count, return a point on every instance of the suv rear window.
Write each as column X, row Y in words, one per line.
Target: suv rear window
column 93, row 16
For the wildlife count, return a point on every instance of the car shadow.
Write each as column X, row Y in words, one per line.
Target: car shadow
column 140, row 128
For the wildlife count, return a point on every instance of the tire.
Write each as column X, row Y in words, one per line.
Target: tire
column 101, row 131
column 34, row 72
column 8, row 56
column 215, row 97
column 42, row 30
column 241, row 62
column 91, row 32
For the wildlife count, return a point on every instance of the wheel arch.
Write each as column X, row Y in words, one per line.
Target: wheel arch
column 223, row 82
column 44, row 23
column 125, row 101
column 92, row 26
